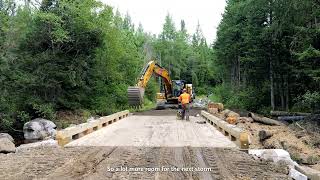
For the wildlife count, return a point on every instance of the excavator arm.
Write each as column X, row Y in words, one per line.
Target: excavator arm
column 136, row 93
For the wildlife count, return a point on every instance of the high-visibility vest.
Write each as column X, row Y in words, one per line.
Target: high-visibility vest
column 184, row 98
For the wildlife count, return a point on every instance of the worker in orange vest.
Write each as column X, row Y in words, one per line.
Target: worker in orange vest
column 185, row 100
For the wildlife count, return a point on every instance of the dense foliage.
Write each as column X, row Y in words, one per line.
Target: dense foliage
column 268, row 54
column 69, row 55
column 64, row 55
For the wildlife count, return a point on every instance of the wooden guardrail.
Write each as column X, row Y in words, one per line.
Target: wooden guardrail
column 236, row 134
column 75, row 132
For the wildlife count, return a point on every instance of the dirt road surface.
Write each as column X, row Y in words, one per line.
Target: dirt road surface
column 163, row 163
column 142, row 147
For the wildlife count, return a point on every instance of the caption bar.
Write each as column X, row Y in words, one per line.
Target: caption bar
column 158, row 169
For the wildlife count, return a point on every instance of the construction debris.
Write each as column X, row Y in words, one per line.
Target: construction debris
column 267, row 133
column 218, row 106
column 299, row 143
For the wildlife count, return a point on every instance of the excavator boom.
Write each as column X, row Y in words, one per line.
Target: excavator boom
column 136, row 93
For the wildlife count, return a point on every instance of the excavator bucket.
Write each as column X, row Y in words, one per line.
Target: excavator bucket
column 135, row 96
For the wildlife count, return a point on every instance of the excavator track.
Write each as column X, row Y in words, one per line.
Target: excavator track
column 135, row 96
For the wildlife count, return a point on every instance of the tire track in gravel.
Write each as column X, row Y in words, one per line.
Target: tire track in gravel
column 190, row 161
column 83, row 165
column 127, row 157
column 242, row 166
column 201, row 163
column 212, row 159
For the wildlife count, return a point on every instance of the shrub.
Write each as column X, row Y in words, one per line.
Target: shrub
column 41, row 110
column 248, row 98
column 308, row 101
column 221, row 93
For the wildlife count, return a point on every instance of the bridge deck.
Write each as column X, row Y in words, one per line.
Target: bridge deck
column 156, row 131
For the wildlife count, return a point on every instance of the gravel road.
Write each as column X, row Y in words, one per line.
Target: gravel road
column 136, row 163
column 142, row 147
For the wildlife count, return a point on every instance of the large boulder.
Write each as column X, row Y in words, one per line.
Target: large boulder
column 39, row 129
column 274, row 155
column 6, row 146
column 6, row 135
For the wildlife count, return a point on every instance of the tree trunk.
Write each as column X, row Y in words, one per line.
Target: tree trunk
column 228, row 113
column 239, row 71
column 287, row 92
column 263, row 135
column 282, row 93
column 271, row 85
column 285, row 113
column 235, row 73
column 271, row 63
column 264, row 120
column 291, row 118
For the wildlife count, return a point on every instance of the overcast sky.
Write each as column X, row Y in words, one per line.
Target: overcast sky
column 151, row 13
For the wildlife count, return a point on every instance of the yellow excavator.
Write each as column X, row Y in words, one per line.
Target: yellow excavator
column 172, row 88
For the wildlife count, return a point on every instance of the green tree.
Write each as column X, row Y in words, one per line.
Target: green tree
column 264, row 46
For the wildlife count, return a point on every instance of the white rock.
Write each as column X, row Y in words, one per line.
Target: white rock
column 6, row 146
column 274, row 155
column 296, row 175
column 39, row 129
column 91, row 119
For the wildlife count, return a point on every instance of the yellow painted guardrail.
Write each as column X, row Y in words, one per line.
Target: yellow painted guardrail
column 75, row 132
column 236, row 134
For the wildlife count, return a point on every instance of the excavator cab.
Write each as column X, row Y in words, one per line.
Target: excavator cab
column 178, row 86
column 170, row 92
column 164, row 98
